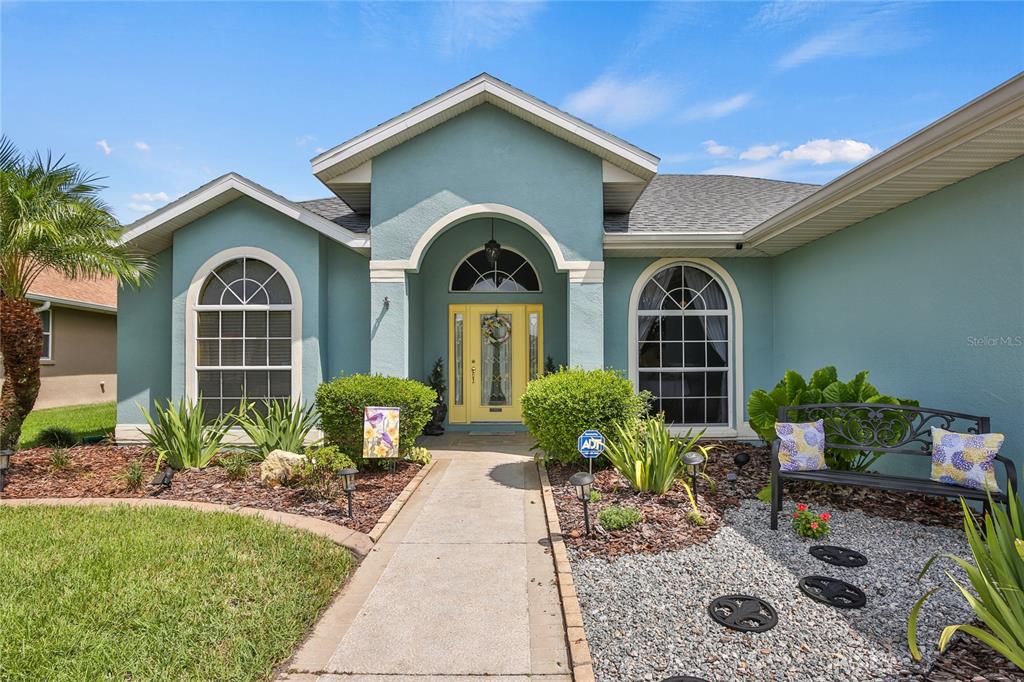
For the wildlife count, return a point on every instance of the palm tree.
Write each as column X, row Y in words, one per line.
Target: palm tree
column 51, row 216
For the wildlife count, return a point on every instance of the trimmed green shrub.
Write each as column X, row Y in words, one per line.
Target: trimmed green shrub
column 824, row 386
column 320, row 471
column 58, row 437
column 341, row 403
column 558, row 407
column 617, row 518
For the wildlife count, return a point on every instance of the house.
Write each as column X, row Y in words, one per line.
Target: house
column 79, row 316
column 492, row 230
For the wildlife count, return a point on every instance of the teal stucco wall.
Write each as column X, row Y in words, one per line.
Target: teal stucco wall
column 331, row 278
column 144, row 342
column 929, row 297
column 753, row 278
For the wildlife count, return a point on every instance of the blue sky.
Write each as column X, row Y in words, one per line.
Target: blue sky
column 162, row 97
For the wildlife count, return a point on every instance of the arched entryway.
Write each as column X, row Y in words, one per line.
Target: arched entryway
column 494, row 323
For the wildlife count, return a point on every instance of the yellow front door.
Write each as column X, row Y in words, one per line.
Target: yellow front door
column 493, row 351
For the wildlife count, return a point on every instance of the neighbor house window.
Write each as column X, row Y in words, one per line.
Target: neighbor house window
column 243, row 338
column 46, row 317
column 683, row 324
column 510, row 273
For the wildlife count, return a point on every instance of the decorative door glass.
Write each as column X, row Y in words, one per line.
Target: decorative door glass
column 496, row 359
column 534, row 355
column 457, row 361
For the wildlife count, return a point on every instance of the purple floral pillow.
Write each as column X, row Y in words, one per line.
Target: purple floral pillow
column 801, row 445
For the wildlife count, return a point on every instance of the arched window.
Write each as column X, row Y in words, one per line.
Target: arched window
column 511, row 273
column 683, row 324
column 243, row 340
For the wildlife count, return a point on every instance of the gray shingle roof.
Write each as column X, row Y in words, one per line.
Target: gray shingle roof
column 338, row 212
column 708, row 203
column 671, row 203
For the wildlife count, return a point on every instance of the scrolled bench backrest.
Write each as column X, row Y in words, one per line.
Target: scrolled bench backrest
column 877, row 427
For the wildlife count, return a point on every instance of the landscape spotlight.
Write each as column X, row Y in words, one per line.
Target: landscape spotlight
column 583, row 483
column 348, row 484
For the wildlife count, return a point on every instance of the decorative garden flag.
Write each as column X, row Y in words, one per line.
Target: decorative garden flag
column 380, row 432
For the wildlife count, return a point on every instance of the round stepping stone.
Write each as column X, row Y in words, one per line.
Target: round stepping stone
column 743, row 612
column 833, row 592
column 839, row 556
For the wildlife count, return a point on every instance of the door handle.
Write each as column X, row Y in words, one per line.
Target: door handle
column 472, row 372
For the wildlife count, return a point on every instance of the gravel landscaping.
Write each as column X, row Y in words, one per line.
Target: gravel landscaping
column 646, row 614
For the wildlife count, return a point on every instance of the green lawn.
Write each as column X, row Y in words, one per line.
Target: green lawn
column 119, row 593
column 85, row 420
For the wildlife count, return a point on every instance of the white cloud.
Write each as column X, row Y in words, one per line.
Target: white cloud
column 780, row 13
column 303, row 140
column 801, row 163
column 466, row 25
column 830, row 151
column 102, row 144
column 713, row 110
column 759, row 152
column 621, row 102
column 151, row 197
column 715, row 149
column 141, row 208
column 142, row 146
column 873, row 32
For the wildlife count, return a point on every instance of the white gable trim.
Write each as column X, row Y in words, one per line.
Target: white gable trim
column 482, row 89
column 153, row 232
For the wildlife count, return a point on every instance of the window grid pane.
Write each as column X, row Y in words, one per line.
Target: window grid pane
column 683, row 346
column 243, row 350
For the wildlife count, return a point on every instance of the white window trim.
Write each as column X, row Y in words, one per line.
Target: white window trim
column 192, row 306
column 48, row 357
column 451, row 278
column 736, row 427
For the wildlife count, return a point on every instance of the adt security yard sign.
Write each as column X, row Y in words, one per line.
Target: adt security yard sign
column 590, row 444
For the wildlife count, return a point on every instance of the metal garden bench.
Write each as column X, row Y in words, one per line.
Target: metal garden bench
column 888, row 429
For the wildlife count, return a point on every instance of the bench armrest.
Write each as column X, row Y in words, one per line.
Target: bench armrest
column 1011, row 472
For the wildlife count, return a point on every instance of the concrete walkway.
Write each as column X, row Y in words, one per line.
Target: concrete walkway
column 461, row 586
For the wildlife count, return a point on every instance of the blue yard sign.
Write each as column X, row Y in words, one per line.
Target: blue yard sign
column 590, row 444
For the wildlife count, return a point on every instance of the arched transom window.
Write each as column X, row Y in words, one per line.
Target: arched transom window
column 510, row 273
column 243, row 336
column 683, row 323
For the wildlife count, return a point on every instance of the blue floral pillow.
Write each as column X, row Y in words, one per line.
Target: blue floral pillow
column 801, row 445
column 965, row 459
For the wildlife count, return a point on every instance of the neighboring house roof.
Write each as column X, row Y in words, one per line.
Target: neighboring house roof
column 706, row 203
column 152, row 233
column 337, row 211
column 345, row 168
column 99, row 293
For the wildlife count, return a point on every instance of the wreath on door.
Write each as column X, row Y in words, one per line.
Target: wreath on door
column 496, row 328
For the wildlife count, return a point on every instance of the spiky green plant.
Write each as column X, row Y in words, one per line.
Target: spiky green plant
column 647, row 457
column 181, row 437
column 285, row 426
column 997, row 576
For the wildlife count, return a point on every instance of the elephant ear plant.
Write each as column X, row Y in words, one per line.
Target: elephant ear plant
column 997, row 578
column 182, row 438
column 824, row 386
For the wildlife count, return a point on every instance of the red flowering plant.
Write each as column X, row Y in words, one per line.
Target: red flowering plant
column 807, row 524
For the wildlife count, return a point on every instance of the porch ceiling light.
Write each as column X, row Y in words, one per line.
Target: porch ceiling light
column 492, row 249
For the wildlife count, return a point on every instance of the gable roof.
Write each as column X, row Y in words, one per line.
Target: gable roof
column 152, row 233
column 344, row 168
column 706, row 203
column 96, row 293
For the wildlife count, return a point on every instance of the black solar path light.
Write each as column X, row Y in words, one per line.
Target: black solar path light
column 693, row 461
column 348, row 484
column 5, row 464
column 583, row 483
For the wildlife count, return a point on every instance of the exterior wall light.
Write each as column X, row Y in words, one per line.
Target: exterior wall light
column 693, row 461
column 348, row 484
column 5, row 464
column 583, row 483
column 492, row 249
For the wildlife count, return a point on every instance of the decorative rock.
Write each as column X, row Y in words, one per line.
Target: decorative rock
column 280, row 467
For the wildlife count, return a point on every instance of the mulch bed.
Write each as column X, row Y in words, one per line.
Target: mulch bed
column 98, row 470
column 966, row 659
